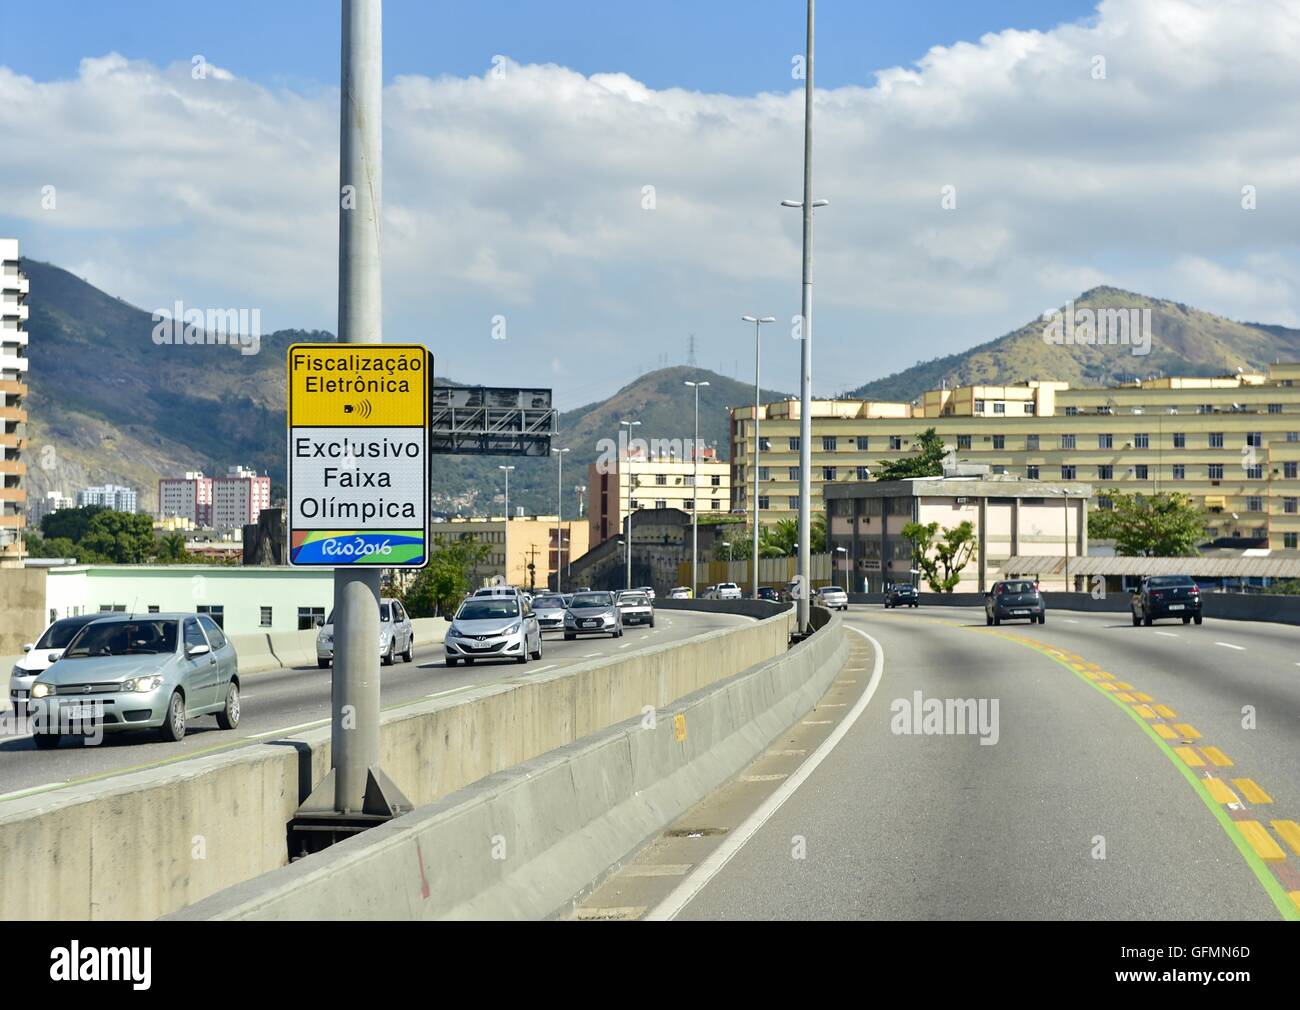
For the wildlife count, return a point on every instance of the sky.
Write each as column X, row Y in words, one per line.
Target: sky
column 598, row 182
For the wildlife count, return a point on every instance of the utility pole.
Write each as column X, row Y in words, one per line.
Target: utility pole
column 559, row 516
column 627, row 536
column 758, row 321
column 695, row 492
column 807, row 204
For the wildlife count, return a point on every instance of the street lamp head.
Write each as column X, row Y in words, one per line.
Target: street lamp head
column 553, row 449
column 821, row 203
column 791, row 203
column 500, row 467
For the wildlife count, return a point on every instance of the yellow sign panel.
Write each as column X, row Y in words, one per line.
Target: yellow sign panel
column 358, row 385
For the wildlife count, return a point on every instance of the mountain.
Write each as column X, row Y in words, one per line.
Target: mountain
column 107, row 404
column 1184, row 341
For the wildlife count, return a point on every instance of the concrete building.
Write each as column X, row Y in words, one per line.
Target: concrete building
column 188, row 497
column 516, row 545
column 661, row 545
column 239, row 497
column 13, row 412
column 52, row 502
column 1012, row 517
column 657, row 482
column 111, row 496
column 1232, row 443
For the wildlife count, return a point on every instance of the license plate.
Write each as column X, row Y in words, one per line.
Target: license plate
column 590, row 624
column 1019, row 613
column 1175, row 606
column 82, row 713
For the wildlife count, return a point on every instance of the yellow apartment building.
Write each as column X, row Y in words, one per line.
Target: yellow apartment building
column 1231, row 442
column 517, row 544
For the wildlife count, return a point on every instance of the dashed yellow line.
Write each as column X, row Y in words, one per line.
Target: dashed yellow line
column 1187, row 730
column 1165, row 732
column 1258, row 838
column 1190, row 757
column 1290, row 833
column 1165, row 712
column 1217, row 756
column 1252, row 791
column 1144, row 711
column 1140, row 696
column 1123, row 696
column 1219, row 790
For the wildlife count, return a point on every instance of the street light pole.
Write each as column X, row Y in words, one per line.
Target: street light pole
column 758, row 321
column 695, row 492
column 505, row 535
column 559, row 516
column 806, row 332
column 627, row 536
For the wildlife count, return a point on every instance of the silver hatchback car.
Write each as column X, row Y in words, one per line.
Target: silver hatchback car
column 155, row 671
column 396, row 635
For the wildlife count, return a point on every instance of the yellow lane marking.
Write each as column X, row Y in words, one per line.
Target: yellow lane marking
column 1252, row 791
column 1219, row 790
column 1128, row 699
column 1166, row 732
column 1290, row 832
column 1190, row 757
column 1165, row 712
column 1125, row 687
column 1261, row 841
column 1090, row 675
column 1186, row 729
column 1105, row 676
column 1217, row 756
column 1295, row 897
column 1106, row 687
column 1143, row 697
column 1144, row 711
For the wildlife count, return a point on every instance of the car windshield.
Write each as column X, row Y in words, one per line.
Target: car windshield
column 385, row 613
column 589, row 601
column 1017, row 587
column 832, row 589
column 123, row 638
column 483, row 609
column 1170, row 581
column 636, row 599
column 59, row 634
column 548, row 603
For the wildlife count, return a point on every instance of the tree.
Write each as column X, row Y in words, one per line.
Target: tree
column 171, row 549
column 1166, row 525
column 443, row 583
column 927, row 460
column 59, row 547
column 940, row 557
column 72, row 523
column 123, row 538
column 783, row 535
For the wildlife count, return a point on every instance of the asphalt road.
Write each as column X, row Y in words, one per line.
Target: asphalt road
column 1128, row 769
column 287, row 701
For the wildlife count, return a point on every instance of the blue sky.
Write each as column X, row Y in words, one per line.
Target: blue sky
column 706, row 45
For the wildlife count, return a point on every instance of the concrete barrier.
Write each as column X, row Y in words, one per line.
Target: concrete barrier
column 142, row 844
column 526, row 842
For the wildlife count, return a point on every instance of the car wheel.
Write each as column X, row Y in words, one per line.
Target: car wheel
column 173, row 729
column 388, row 656
column 452, row 660
column 523, row 656
column 324, row 664
column 1136, row 620
column 1042, row 618
column 568, row 637
column 1187, row 620
column 1197, row 618
column 228, row 717
column 652, row 622
column 46, row 741
column 410, row 648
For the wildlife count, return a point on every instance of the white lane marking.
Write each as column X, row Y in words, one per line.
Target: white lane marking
column 591, row 655
column 540, row 669
column 686, row 891
column 1167, row 634
column 626, row 645
column 288, row 729
column 1229, row 645
column 440, row 694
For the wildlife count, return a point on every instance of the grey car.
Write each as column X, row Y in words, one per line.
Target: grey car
column 396, row 635
column 593, row 613
column 550, row 608
column 493, row 627
column 155, row 671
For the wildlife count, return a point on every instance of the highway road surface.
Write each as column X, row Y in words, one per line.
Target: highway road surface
column 1097, row 771
column 282, row 702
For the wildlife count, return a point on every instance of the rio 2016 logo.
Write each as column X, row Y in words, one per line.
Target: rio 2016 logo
column 358, row 547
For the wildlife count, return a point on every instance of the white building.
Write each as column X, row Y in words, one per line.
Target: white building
column 188, row 497
column 239, row 497
column 113, row 496
column 13, row 414
column 52, row 502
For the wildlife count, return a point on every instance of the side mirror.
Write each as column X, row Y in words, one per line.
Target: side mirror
column 28, row 647
column 196, row 650
column 447, row 618
column 56, row 656
column 320, row 622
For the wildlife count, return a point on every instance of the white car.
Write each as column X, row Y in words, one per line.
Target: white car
column 493, row 627
column 396, row 635
column 635, row 608
column 833, row 597
column 39, row 655
column 679, row 593
column 648, row 590
column 728, row 591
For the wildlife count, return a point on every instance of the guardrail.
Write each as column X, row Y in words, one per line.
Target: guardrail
column 143, row 844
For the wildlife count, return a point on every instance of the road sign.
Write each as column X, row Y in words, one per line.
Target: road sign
column 358, row 455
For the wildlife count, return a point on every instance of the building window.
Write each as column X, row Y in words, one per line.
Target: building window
column 963, row 441
column 1215, row 471
column 1140, row 472
column 895, row 442
column 763, row 502
column 1216, row 440
column 828, row 443
column 715, row 481
column 1031, row 443
column 999, row 441
column 216, row 611
column 1180, row 440
column 264, row 618
column 661, row 479
column 1105, row 442
column 794, row 444
column 764, row 473
column 717, row 502
column 979, row 406
column 828, row 473
column 1067, row 441
column 1255, row 472
column 634, row 504
column 1071, row 411
column 661, row 503
column 1068, row 472
column 1104, row 503
column 1255, row 438
column 864, row 473
column 1275, row 408
column 1031, row 472
column 1029, row 406
column 1105, row 472
column 764, row 443
column 1142, row 441
column 1289, row 470
column 689, row 504
column 792, row 473
column 1180, row 471
column 1289, row 541
column 792, row 502
column 153, row 608
column 999, row 407
column 863, row 442
column 1254, row 503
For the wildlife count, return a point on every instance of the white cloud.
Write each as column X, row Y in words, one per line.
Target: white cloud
column 523, row 195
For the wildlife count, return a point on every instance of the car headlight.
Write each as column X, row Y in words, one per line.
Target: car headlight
column 18, row 671
column 512, row 629
column 143, row 685
column 41, row 690
column 570, row 619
